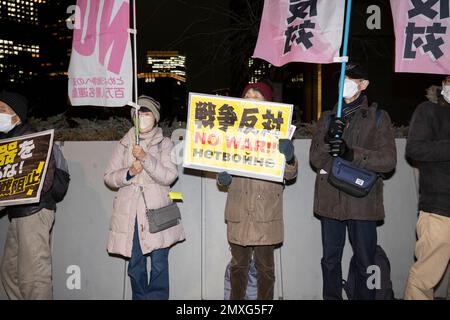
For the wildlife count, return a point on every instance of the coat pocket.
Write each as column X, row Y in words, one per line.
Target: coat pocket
column 234, row 207
column 269, row 204
column 326, row 197
column 119, row 218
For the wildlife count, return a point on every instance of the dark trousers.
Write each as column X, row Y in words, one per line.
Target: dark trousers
column 265, row 271
column 158, row 287
column 363, row 238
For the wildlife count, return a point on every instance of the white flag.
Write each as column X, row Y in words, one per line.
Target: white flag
column 100, row 71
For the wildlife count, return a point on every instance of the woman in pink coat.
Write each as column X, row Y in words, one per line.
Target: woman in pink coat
column 143, row 170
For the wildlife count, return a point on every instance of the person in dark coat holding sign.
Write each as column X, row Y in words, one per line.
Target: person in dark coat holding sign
column 366, row 139
column 429, row 146
column 26, row 267
column 254, row 217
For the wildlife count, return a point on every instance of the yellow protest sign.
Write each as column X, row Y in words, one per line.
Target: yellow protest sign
column 239, row 136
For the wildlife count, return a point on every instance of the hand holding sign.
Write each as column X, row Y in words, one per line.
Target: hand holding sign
column 239, row 136
column 335, row 130
column 136, row 168
column 286, row 147
column 139, row 153
column 224, row 179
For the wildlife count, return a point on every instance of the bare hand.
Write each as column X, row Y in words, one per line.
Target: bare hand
column 138, row 152
column 136, row 168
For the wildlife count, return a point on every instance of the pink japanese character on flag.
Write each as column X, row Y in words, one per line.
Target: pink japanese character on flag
column 300, row 31
column 422, row 32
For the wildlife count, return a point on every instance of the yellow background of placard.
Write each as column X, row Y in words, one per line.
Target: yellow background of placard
column 239, row 105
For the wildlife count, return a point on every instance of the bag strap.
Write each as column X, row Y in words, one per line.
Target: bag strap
column 378, row 116
column 143, row 197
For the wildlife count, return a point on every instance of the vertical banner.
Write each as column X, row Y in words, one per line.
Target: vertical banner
column 100, row 71
column 300, row 31
column 422, row 36
column 239, row 136
column 23, row 166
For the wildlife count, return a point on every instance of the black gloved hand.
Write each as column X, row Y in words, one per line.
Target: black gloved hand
column 336, row 129
column 338, row 148
column 224, row 179
column 286, row 147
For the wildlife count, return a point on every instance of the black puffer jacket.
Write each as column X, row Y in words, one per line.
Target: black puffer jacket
column 47, row 201
column 429, row 147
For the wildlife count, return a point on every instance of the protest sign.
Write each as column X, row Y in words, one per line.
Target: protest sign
column 239, row 136
column 300, row 31
column 422, row 32
column 100, row 71
column 23, row 167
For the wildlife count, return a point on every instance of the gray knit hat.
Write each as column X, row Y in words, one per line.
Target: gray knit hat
column 150, row 104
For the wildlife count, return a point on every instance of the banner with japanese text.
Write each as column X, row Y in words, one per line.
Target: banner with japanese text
column 101, row 69
column 300, row 31
column 239, row 136
column 23, row 166
column 422, row 32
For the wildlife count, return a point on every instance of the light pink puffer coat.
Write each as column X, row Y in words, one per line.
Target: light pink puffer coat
column 159, row 172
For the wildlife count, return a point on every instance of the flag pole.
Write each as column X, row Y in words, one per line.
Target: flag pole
column 345, row 58
column 136, row 118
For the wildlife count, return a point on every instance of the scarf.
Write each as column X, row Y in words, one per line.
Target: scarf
column 348, row 110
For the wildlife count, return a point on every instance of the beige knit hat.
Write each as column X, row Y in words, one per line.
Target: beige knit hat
column 149, row 103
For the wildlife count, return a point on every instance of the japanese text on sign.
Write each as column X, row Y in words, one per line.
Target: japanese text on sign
column 428, row 38
column 23, row 164
column 300, row 33
column 237, row 135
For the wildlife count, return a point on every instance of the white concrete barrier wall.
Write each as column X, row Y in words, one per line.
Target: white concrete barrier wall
column 197, row 265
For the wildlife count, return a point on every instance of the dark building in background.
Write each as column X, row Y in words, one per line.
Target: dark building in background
column 298, row 84
column 19, row 42
column 34, row 52
column 165, row 80
column 56, row 44
column 57, row 40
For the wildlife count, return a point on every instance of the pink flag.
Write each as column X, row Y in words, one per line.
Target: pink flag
column 300, row 30
column 100, row 71
column 422, row 31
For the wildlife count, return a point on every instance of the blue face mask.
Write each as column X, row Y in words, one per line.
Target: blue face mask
column 6, row 124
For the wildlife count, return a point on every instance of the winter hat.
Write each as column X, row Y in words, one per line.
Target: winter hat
column 356, row 71
column 17, row 102
column 263, row 88
column 148, row 104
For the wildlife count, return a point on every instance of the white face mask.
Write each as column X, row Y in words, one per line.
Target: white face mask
column 146, row 123
column 6, row 124
column 350, row 88
column 446, row 93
